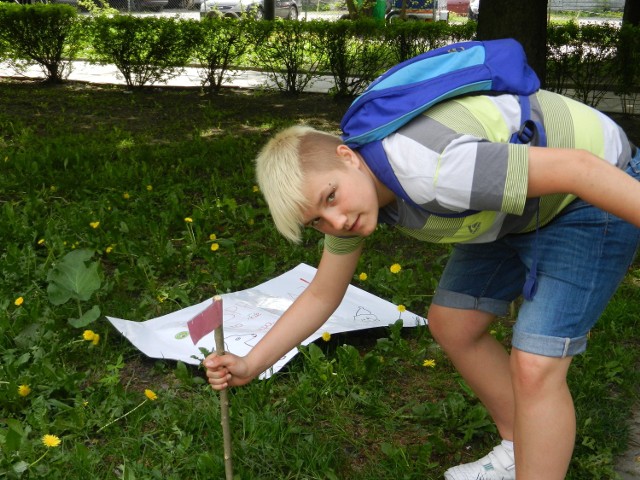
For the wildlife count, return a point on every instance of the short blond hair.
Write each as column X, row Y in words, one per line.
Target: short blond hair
column 281, row 167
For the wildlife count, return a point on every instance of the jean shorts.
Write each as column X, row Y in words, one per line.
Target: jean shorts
column 582, row 255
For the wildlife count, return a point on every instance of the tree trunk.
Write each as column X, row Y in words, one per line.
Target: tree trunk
column 631, row 14
column 524, row 21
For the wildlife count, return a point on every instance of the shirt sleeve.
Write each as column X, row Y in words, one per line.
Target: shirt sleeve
column 342, row 245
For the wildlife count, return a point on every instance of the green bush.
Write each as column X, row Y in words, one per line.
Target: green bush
column 44, row 35
column 289, row 54
column 146, row 50
column 355, row 52
column 222, row 42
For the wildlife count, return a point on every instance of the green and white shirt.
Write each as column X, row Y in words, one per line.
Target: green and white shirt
column 457, row 157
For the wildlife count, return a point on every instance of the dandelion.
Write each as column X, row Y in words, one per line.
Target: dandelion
column 363, row 276
column 215, row 246
column 256, row 189
column 151, row 395
column 430, row 362
column 326, row 336
column 88, row 335
column 212, row 236
column 41, row 241
column 395, row 268
column 109, row 249
column 188, row 219
column 19, row 301
column 24, row 390
column 51, row 441
column 53, row 188
column 126, row 195
column 94, row 224
column 401, row 308
column 149, row 188
column 493, row 332
column 96, row 339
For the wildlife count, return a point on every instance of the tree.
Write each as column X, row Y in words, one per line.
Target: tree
column 524, row 21
column 631, row 14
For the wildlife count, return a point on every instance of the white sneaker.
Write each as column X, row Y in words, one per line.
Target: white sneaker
column 499, row 464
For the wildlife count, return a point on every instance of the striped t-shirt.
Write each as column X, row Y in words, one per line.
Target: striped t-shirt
column 456, row 157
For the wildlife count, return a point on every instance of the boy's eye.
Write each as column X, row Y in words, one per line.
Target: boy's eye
column 314, row 223
column 332, row 196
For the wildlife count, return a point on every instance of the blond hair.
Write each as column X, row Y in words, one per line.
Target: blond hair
column 281, row 167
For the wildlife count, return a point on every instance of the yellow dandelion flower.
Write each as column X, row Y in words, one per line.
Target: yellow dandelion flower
column 94, row 224
column 326, row 336
column 188, row 219
column 149, row 188
column 150, row 394
column 41, row 241
column 88, row 335
column 493, row 332
column 96, row 339
column 395, row 268
column 401, row 308
column 363, row 276
column 51, row 441
column 53, row 188
column 126, row 195
column 109, row 249
column 212, row 236
column 18, row 301
column 24, row 390
column 256, row 188
column 430, row 362
column 215, row 246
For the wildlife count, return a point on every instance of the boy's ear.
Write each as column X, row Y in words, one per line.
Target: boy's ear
column 348, row 155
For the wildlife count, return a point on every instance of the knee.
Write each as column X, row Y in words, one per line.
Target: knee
column 534, row 374
column 457, row 329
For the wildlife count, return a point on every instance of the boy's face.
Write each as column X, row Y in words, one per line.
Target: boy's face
column 343, row 202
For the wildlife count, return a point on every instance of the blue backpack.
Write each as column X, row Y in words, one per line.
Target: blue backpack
column 413, row 86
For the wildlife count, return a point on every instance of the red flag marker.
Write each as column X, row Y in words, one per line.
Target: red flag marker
column 206, row 321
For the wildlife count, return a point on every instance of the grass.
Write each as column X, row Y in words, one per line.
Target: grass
column 113, row 175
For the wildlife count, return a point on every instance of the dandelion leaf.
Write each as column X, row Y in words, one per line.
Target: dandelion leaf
column 88, row 317
column 72, row 278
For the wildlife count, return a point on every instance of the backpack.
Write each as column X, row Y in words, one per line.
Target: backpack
column 411, row 87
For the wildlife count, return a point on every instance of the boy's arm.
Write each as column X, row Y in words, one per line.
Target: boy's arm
column 578, row 172
column 305, row 315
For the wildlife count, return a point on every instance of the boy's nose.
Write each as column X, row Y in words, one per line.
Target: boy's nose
column 336, row 220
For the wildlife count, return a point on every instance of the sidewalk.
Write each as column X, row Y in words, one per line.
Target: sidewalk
column 109, row 74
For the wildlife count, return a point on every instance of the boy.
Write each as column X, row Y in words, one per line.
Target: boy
column 565, row 217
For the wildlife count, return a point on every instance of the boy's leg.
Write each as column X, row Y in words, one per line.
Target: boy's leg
column 545, row 423
column 479, row 357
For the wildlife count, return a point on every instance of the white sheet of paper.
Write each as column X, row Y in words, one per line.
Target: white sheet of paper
column 249, row 314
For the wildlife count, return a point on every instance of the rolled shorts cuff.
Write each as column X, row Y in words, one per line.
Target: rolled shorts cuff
column 451, row 299
column 547, row 346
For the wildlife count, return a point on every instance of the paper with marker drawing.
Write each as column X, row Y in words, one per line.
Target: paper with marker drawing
column 249, row 314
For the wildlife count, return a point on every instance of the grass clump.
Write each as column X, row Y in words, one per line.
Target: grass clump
column 130, row 191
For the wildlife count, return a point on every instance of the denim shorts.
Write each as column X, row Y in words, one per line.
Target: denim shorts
column 582, row 255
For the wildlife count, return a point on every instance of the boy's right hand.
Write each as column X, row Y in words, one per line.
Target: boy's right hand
column 226, row 370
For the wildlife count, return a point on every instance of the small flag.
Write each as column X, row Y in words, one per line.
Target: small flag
column 206, row 321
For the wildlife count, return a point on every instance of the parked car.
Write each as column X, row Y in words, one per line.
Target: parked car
column 474, row 6
column 237, row 8
column 459, row 7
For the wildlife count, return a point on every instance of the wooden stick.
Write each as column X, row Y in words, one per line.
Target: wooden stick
column 224, row 406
